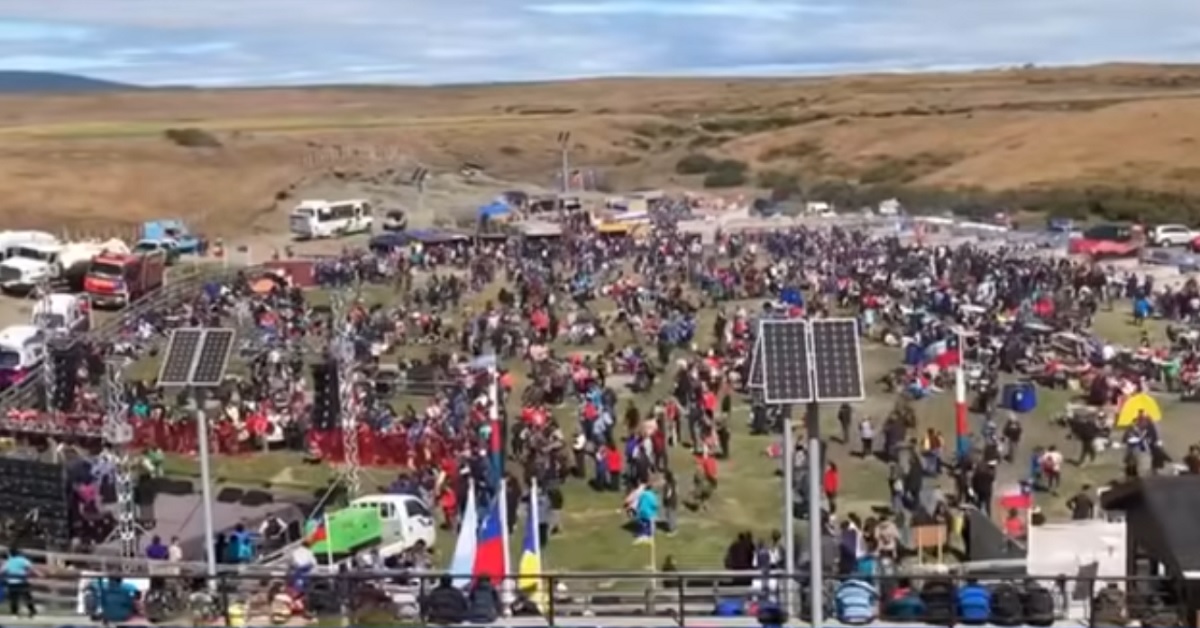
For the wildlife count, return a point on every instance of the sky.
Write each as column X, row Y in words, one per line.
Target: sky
column 282, row 42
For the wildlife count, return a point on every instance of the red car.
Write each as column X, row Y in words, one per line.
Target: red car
column 1107, row 241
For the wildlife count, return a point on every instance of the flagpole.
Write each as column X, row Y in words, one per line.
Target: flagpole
column 507, row 596
column 496, row 459
column 535, row 516
column 535, row 524
column 328, row 539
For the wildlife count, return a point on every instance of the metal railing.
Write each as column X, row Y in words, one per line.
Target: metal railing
column 178, row 289
column 381, row 598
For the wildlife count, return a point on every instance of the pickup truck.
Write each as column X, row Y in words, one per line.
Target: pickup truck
column 145, row 247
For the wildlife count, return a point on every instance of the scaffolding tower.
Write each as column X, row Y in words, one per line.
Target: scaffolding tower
column 42, row 320
column 118, row 435
column 342, row 350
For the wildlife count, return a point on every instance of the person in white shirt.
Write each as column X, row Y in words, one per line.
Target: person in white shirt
column 1052, row 462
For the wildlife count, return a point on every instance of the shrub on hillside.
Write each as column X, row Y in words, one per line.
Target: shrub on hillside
column 727, row 173
column 192, row 138
column 724, row 179
column 696, row 163
column 782, row 184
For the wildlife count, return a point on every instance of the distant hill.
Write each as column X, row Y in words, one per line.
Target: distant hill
column 19, row 81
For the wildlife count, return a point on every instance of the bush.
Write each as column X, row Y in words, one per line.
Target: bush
column 724, row 179
column 727, row 173
column 1105, row 203
column 802, row 149
column 192, row 138
column 780, row 183
column 695, row 163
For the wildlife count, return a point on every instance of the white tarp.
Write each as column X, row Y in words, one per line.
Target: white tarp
column 1064, row 548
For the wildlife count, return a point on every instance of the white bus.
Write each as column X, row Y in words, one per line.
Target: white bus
column 330, row 219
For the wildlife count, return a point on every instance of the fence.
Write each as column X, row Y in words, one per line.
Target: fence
column 382, row 598
column 182, row 285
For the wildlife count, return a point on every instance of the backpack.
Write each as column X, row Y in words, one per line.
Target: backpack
column 1039, row 606
column 1006, row 605
column 938, row 596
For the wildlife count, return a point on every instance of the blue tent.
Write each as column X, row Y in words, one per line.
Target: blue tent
column 495, row 209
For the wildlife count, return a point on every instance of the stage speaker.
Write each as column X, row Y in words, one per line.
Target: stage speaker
column 327, row 405
column 168, row 486
column 65, row 359
column 230, row 495
column 146, row 490
column 254, row 498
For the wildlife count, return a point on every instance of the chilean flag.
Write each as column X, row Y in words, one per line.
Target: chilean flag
column 489, row 546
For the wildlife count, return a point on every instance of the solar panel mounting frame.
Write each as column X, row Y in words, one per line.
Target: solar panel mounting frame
column 221, row 339
column 194, row 360
column 850, row 362
column 754, row 377
column 804, row 385
column 172, row 358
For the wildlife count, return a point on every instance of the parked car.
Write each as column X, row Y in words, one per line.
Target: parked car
column 1172, row 235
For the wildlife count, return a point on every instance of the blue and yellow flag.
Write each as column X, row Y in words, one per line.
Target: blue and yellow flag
column 530, row 568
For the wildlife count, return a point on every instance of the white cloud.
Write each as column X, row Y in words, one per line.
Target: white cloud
column 748, row 9
column 427, row 41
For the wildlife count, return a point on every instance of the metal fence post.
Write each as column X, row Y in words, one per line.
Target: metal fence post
column 222, row 598
column 681, row 591
column 550, row 606
column 421, row 602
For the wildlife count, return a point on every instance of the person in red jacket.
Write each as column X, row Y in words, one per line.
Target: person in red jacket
column 830, row 483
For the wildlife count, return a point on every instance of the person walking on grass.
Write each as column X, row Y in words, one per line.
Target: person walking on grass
column 831, row 483
column 866, row 435
column 17, row 571
column 705, row 480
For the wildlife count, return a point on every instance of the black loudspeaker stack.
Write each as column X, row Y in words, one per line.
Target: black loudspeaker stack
column 65, row 359
column 326, row 396
column 34, row 496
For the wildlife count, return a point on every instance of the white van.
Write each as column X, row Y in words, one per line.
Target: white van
column 62, row 313
column 327, row 219
column 22, row 348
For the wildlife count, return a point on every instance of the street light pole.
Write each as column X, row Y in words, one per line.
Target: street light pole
column 564, row 144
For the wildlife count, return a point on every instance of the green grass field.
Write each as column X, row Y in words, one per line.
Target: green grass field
column 750, row 495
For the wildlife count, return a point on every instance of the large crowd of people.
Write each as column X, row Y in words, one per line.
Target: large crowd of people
column 576, row 318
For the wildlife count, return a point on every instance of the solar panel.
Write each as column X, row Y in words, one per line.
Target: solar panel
column 181, row 354
column 785, row 362
column 837, row 360
column 754, row 379
column 213, row 357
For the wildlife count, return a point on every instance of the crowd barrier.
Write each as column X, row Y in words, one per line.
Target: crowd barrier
column 386, row 598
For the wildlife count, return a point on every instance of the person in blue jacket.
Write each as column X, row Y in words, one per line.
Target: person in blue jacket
column 1141, row 309
column 857, row 602
column 118, row 600
column 974, row 603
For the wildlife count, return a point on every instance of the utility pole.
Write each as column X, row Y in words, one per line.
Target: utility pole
column 419, row 176
column 564, row 147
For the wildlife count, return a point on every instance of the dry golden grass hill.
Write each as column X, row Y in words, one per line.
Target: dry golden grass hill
column 231, row 160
